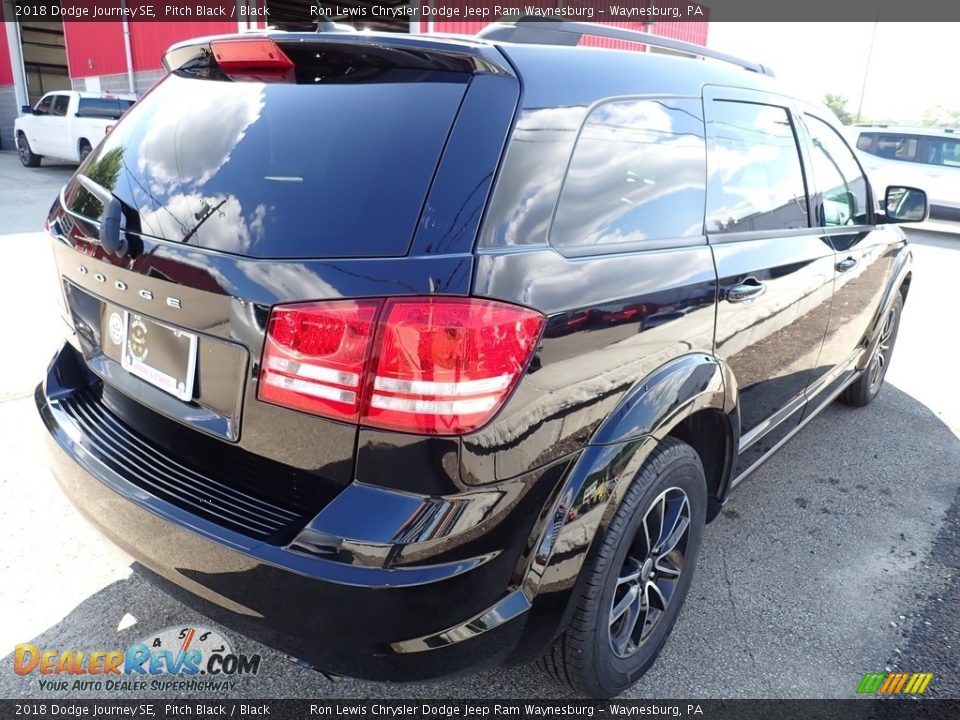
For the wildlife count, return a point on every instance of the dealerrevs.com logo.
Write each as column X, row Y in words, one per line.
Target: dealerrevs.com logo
column 199, row 658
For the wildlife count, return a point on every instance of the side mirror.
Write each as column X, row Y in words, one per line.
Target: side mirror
column 26, row 110
column 905, row 204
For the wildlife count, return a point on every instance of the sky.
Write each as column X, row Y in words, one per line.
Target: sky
column 913, row 65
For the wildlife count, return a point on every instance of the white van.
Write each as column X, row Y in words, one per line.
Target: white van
column 926, row 158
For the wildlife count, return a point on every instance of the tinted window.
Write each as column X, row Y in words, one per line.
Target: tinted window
column 45, row 104
column 60, row 104
column 103, row 107
column 337, row 169
column 755, row 180
column 941, row 151
column 838, row 177
column 865, row 142
column 637, row 174
column 896, row 147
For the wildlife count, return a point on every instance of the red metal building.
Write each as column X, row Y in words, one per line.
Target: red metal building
column 36, row 57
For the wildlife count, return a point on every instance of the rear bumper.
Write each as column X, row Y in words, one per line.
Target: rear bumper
column 347, row 618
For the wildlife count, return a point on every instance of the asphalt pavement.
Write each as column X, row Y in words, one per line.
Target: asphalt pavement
column 840, row 556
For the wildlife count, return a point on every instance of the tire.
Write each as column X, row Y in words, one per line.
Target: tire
column 866, row 387
column 85, row 150
column 27, row 156
column 597, row 655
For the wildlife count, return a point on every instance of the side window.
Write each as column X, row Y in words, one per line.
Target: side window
column 838, row 177
column 865, row 143
column 896, row 147
column 940, row 151
column 45, row 105
column 637, row 174
column 755, row 178
column 60, row 104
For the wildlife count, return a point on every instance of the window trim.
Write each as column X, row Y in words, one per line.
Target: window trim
column 580, row 251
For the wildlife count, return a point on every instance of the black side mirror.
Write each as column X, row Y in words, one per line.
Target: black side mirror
column 26, row 110
column 905, row 204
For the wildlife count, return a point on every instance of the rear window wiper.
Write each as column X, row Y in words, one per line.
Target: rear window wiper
column 110, row 237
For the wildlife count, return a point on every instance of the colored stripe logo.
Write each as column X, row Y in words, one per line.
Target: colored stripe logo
column 894, row 683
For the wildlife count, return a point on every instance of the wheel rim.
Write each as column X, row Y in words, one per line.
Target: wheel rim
column 881, row 355
column 84, row 152
column 23, row 150
column 651, row 571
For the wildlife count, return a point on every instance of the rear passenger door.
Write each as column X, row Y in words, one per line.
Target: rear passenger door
column 775, row 271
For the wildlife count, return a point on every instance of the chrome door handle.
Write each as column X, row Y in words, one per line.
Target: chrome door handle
column 846, row 264
column 747, row 290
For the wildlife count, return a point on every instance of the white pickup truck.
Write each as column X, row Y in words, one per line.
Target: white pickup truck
column 66, row 124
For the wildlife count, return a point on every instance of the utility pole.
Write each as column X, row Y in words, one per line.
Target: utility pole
column 866, row 70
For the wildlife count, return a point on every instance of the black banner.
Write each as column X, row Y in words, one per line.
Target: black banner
column 441, row 11
column 438, row 709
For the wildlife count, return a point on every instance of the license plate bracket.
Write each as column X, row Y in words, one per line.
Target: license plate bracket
column 164, row 356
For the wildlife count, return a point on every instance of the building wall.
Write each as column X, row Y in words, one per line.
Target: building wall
column 118, row 82
column 6, row 71
column 96, row 48
column 8, row 113
column 8, row 99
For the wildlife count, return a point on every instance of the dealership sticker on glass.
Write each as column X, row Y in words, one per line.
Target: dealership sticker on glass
column 164, row 356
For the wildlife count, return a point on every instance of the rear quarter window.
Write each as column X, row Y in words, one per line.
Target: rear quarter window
column 637, row 175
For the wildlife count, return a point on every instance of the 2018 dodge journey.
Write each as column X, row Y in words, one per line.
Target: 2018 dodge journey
column 414, row 354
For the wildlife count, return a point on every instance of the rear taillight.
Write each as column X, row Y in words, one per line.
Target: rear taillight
column 315, row 355
column 257, row 59
column 438, row 366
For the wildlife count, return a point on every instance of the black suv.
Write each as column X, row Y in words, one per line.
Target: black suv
column 418, row 353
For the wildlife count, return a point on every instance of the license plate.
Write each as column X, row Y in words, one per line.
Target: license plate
column 164, row 356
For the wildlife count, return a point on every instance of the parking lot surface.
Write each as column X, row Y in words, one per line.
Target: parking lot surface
column 838, row 557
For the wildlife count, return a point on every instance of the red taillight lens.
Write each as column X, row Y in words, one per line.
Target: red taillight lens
column 257, row 59
column 315, row 355
column 446, row 365
column 441, row 366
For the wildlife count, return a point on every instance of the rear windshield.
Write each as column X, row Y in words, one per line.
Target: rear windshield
column 279, row 170
column 109, row 108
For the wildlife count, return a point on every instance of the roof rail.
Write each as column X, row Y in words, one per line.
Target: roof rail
column 561, row 32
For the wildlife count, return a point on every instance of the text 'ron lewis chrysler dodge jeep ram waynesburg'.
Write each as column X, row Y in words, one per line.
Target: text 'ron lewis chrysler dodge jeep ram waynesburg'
column 419, row 353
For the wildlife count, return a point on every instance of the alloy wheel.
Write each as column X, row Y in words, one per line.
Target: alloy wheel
column 650, row 572
column 23, row 150
column 881, row 356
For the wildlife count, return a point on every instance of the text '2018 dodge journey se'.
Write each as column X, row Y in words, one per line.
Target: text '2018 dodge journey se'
column 414, row 354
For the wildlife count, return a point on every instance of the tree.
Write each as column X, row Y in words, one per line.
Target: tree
column 838, row 104
column 940, row 116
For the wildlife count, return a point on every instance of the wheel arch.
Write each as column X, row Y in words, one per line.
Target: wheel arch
column 692, row 398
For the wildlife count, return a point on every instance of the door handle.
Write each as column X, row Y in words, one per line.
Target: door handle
column 747, row 290
column 846, row 264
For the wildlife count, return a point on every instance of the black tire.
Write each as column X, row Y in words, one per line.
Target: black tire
column 589, row 656
column 27, row 156
column 85, row 150
column 866, row 387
